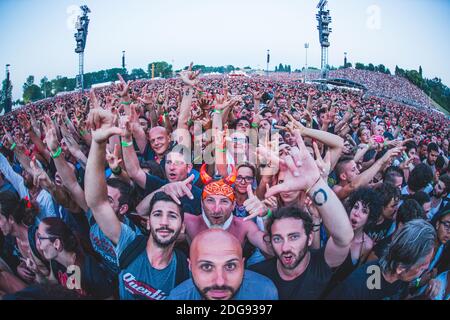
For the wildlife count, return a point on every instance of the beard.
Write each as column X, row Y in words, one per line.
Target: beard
column 165, row 242
column 203, row 292
column 297, row 258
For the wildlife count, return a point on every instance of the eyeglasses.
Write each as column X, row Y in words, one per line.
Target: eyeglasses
column 247, row 179
column 446, row 225
column 51, row 238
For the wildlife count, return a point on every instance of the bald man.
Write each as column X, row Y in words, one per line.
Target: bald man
column 218, row 273
column 159, row 142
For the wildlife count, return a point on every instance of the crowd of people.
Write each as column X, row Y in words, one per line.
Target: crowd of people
column 385, row 85
column 193, row 188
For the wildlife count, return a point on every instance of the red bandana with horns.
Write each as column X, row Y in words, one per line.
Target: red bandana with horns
column 221, row 187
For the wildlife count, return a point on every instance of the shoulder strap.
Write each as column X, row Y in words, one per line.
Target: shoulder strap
column 132, row 251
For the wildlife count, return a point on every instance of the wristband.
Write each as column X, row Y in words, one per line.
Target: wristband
column 82, row 132
column 221, row 150
column 13, row 146
column 417, row 284
column 125, row 102
column 126, row 144
column 218, row 111
column 57, row 153
column 254, row 125
column 117, row 171
column 268, row 215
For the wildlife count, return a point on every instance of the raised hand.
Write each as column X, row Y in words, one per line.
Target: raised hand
column 189, row 77
column 102, row 124
column 24, row 122
column 177, row 190
column 113, row 158
column 310, row 173
column 257, row 95
column 254, row 206
column 123, row 87
column 324, row 164
column 52, row 139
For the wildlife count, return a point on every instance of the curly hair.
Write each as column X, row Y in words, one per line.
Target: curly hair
column 370, row 199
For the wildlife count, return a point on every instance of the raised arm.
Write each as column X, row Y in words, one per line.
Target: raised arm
column 65, row 171
column 100, row 121
column 130, row 158
column 329, row 206
column 364, row 178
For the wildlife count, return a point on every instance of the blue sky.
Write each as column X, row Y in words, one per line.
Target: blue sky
column 36, row 37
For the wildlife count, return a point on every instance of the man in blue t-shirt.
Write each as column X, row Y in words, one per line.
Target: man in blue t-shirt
column 149, row 268
column 218, row 273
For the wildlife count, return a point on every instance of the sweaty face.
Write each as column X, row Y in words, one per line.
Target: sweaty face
column 217, row 269
column 217, row 209
column 165, row 223
column 176, row 167
column 290, row 242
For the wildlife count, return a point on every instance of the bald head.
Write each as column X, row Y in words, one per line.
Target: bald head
column 217, row 264
column 213, row 241
column 159, row 140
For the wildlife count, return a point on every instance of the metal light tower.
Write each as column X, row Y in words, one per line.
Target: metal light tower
column 345, row 59
column 324, row 19
column 306, row 62
column 8, row 103
column 268, row 60
column 80, row 37
column 123, row 60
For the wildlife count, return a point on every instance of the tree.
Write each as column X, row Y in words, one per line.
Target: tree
column 5, row 95
column 359, row 66
column 32, row 93
column 381, row 68
column 46, row 87
column 28, row 82
column 371, row 67
column 138, row 74
column 420, row 71
column 280, row 68
column 162, row 69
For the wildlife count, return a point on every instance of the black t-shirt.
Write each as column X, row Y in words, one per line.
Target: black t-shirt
column 382, row 245
column 94, row 280
column 191, row 206
column 307, row 286
column 379, row 231
column 356, row 286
